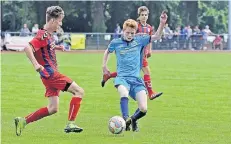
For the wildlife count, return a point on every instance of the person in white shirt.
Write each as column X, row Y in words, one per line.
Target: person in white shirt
column 35, row 28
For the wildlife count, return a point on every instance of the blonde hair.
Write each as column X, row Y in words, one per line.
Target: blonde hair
column 54, row 12
column 141, row 9
column 130, row 23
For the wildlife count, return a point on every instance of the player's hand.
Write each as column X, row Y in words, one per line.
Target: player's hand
column 149, row 54
column 60, row 47
column 57, row 47
column 39, row 68
column 163, row 17
column 106, row 70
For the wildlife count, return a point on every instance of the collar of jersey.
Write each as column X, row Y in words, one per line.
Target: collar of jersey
column 143, row 25
column 46, row 31
column 126, row 40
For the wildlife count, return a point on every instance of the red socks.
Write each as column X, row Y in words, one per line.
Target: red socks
column 74, row 108
column 42, row 112
column 148, row 84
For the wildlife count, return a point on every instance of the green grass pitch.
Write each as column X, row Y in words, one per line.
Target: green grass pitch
column 195, row 107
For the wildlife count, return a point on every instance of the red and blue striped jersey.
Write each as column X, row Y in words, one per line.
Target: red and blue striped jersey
column 147, row 29
column 44, row 52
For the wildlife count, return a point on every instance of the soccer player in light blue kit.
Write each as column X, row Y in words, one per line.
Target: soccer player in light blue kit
column 129, row 51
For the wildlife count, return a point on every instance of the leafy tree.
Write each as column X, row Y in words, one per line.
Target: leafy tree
column 102, row 16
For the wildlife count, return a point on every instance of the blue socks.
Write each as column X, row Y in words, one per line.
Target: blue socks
column 124, row 107
column 124, row 110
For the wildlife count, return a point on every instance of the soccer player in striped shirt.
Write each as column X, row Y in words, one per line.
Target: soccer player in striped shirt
column 41, row 52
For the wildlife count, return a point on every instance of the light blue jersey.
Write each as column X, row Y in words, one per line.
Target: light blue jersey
column 129, row 54
column 129, row 62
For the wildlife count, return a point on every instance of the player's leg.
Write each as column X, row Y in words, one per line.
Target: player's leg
column 62, row 82
column 106, row 77
column 74, row 107
column 123, row 89
column 141, row 98
column 123, row 92
column 21, row 122
column 52, row 108
column 147, row 80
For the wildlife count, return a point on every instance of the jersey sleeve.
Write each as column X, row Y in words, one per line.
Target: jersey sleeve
column 39, row 41
column 111, row 46
column 144, row 39
column 36, row 44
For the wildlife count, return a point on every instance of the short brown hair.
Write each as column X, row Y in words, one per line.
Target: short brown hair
column 130, row 23
column 142, row 8
column 54, row 12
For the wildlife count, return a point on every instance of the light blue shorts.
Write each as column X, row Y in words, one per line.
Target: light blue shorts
column 133, row 84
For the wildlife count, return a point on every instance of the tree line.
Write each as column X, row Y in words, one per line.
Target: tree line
column 102, row 16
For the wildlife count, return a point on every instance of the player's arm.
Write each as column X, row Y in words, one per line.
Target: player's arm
column 29, row 52
column 34, row 45
column 105, row 61
column 110, row 49
column 149, row 46
column 149, row 49
column 158, row 34
column 57, row 47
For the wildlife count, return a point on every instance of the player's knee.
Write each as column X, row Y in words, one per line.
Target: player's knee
column 79, row 92
column 123, row 94
column 146, row 70
column 147, row 73
column 143, row 109
column 53, row 109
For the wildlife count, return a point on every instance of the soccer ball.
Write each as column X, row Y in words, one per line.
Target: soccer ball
column 116, row 125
